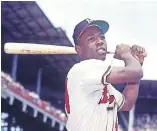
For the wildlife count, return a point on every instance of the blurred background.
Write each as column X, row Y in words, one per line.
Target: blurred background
column 32, row 86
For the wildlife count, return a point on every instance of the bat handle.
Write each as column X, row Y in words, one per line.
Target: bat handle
column 112, row 52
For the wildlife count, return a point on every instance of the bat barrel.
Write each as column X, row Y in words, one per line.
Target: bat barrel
column 27, row 48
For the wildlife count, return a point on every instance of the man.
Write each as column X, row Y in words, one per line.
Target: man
column 91, row 101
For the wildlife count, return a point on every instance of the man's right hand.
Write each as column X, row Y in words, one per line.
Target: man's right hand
column 122, row 52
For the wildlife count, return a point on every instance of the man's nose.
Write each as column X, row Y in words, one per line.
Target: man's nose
column 99, row 42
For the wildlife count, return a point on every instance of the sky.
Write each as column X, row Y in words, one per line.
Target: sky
column 131, row 22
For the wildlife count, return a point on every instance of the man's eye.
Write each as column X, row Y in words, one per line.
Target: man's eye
column 91, row 39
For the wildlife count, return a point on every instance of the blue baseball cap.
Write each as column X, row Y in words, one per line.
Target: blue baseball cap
column 83, row 25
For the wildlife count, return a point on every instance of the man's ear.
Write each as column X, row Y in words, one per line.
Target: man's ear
column 78, row 49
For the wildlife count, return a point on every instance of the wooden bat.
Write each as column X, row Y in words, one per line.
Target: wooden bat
column 31, row 48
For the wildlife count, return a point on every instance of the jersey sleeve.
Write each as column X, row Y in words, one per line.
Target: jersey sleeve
column 120, row 99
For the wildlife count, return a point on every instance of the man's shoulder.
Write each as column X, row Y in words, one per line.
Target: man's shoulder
column 75, row 69
column 90, row 63
column 87, row 64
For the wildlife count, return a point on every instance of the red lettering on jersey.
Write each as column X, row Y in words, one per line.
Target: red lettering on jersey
column 67, row 105
column 105, row 98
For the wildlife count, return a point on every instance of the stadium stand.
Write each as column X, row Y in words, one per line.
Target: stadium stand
column 12, row 90
column 146, row 122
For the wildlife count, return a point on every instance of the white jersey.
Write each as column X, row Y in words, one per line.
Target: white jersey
column 91, row 103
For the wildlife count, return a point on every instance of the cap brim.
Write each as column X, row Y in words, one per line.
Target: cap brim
column 102, row 25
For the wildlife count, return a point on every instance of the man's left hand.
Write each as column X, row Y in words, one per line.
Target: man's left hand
column 138, row 53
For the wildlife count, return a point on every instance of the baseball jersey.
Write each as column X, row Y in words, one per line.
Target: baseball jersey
column 91, row 103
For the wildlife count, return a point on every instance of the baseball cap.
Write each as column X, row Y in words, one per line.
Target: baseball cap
column 83, row 25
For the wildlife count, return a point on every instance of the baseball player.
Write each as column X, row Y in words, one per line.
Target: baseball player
column 91, row 102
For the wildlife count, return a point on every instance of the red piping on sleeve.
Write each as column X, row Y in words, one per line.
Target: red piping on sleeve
column 102, row 80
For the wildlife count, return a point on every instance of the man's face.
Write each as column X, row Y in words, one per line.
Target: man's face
column 93, row 44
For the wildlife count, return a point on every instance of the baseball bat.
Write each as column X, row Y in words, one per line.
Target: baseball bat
column 31, row 48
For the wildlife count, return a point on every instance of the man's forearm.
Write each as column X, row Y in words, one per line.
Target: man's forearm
column 132, row 72
column 131, row 94
column 133, row 68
